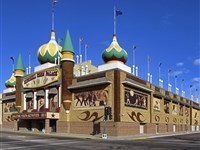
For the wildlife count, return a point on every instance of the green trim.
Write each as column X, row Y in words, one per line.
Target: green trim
column 67, row 46
column 19, row 65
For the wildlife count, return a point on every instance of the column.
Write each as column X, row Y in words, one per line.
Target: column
column 46, row 98
column 25, row 101
column 34, row 100
column 59, row 96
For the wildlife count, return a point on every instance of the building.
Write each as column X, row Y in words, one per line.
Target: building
column 64, row 97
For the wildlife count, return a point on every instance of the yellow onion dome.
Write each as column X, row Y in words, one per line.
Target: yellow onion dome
column 50, row 51
column 114, row 52
column 11, row 82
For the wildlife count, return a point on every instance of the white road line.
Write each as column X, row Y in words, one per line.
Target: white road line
column 42, row 145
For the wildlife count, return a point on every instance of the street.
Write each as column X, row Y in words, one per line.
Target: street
column 13, row 141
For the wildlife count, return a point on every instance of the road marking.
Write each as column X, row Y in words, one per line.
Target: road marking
column 42, row 145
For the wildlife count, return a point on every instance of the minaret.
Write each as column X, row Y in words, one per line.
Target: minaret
column 19, row 73
column 67, row 63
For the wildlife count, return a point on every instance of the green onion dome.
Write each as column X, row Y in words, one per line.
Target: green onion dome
column 11, row 82
column 50, row 51
column 114, row 52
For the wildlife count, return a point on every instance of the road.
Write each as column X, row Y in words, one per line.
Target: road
column 13, row 141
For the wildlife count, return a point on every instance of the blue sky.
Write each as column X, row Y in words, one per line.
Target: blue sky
column 166, row 30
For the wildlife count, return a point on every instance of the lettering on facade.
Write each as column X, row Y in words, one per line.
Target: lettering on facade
column 29, row 115
column 42, row 78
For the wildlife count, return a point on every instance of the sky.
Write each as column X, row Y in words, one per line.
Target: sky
column 166, row 31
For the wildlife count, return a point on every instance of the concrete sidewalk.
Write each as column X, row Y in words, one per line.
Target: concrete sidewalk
column 99, row 136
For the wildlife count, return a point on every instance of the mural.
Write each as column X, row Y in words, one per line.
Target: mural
column 166, row 106
column 53, row 102
column 174, row 109
column 29, row 104
column 87, row 116
column 186, row 111
column 9, row 107
column 91, row 98
column 40, row 104
column 156, row 104
column 136, row 116
column 135, row 99
column 181, row 110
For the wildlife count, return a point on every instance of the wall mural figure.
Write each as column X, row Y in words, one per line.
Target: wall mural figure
column 9, row 107
column 166, row 106
column 186, row 111
column 135, row 99
column 91, row 98
column 29, row 104
column 181, row 110
column 156, row 104
column 174, row 109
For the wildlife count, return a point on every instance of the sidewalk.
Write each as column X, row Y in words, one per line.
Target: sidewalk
column 99, row 136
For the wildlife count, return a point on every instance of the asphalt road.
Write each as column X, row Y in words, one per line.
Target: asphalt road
column 12, row 141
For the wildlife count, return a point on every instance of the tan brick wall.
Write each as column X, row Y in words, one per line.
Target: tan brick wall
column 63, row 127
column 8, row 125
column 162, row 128
column 150, row 128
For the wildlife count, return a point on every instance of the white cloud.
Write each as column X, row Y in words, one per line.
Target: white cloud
column 176, row 73
column 197, row 61
column 197, row 79
column 179, row 64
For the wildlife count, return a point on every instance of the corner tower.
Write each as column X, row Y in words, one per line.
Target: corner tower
column 19, row 73
column 67, row 63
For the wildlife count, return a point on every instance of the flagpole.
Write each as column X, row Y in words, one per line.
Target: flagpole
column 114, row 20
column 86, row 46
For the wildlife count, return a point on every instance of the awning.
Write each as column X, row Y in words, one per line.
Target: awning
column 53, row 91
column 40, row 93
column 90, row 83
column 29, row 95
column 136, row 84
column 10, row 97
column 157, row 94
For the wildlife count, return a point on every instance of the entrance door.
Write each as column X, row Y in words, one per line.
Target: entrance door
column 174, row 128
column 53, row 125
column 141, row 128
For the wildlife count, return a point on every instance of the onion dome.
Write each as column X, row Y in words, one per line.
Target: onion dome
column 11, row 82
column 114, row 52
column 50, row 51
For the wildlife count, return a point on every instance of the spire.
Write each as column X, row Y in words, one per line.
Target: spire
column 67, row 46
column 53, row 12
column 67, row 49
column 19, row 65
column 19, row 69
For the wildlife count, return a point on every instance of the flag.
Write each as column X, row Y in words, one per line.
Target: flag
column 118, row 12
column 54, row 2
column 149, row 59
column 134, row 46
column 86, row 46
column 160, row 64
column 169, row 70
column 80, row 39
column 12, row 59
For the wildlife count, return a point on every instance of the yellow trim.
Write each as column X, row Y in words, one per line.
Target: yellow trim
column 68, row 55
column 19, row 73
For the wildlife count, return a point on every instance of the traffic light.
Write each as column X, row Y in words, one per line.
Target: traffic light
column 110, row 113
column 106, row 113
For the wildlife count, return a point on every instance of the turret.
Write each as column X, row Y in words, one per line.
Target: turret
column 19, row 73
column 67, row 63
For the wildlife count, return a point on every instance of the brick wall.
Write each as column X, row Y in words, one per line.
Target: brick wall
column 150, row 128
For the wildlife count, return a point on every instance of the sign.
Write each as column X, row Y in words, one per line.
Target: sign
column 42, row 78
column 29, row 115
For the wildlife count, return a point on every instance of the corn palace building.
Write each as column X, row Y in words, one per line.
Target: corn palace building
column 64, row 97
